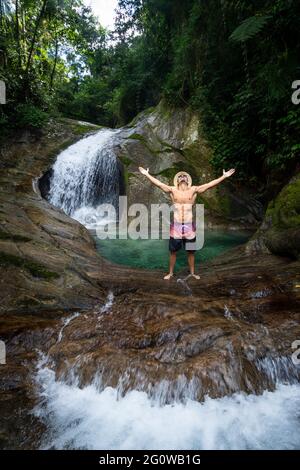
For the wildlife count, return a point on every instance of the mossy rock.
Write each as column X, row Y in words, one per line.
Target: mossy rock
column 198, row 158
column 283, row 242
column 280, row 231
column 35, row 269
column 284, row 210
column 136, row 136
column 79, row 127
column 143, row 141
column 28, row 302
column 170, row 172
column 164, row 110
column 13, row 237
column 131, row 175
column 125, row 160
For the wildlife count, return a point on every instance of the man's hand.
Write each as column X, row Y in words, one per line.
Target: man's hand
column 228, row 173
column 143, row 171
column 211, row 184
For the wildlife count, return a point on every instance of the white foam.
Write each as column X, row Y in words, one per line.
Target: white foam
column 66, row 322
column 86, row 418
column 109, row 302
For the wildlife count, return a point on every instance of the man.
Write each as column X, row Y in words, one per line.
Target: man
column 183, row 196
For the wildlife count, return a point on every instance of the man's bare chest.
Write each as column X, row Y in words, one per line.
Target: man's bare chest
column 183, row 197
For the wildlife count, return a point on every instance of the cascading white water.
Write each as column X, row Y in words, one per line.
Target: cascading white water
column 87, row 418
column 85, row 175
column 100, row 417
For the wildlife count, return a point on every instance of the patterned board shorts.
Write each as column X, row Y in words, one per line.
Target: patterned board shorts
column 180, row 235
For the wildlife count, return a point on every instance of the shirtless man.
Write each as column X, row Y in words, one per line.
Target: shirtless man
column 183, row 196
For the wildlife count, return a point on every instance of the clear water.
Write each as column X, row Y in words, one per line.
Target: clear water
column 154, row 254
column 86, row 418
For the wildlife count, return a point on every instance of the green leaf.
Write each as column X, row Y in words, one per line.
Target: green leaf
column 249, row 28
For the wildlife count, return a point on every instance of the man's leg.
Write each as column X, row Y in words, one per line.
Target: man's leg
column 191, row 261
column 171, row 265
column 174, row 245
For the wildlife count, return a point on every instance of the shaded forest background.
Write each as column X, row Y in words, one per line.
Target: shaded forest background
column 232, row 61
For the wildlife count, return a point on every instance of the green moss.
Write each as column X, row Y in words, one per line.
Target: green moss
column 164, row 110
column 284, row 210
column 76, row 127
column 127, row 176
column 136, row 136
column 199, row 161
column 28, row 302
column 81, row 129
column 284, row 242
column 281, row 231
column 131, row 175
column 168, row 148
column 12, row 237
column 35, row 269
column 170, row 172
column 143, row 140
column 125, row 160
column 179, row 166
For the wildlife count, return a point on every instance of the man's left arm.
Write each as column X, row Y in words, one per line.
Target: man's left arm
column 211, row 184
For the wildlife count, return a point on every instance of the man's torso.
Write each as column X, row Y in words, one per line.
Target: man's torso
column 183, row 202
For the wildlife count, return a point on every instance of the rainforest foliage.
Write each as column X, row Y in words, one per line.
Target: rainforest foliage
column 232, row 61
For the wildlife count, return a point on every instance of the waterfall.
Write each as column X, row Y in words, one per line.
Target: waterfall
column 100, row 417
column 86, row 418
column 85, row 175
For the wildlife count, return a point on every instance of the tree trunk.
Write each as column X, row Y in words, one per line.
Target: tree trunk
column 36, row 29
column 55, row 62
column 18, row 32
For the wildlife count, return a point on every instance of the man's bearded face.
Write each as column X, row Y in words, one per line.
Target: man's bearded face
column 183, row 179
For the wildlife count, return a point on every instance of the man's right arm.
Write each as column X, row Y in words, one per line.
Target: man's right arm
column 156, row 182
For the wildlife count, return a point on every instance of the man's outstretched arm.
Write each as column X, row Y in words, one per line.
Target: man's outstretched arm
column 155, row 181
column 211, row 184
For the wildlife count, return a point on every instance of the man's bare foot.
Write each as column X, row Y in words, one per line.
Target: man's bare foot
column 196, row 276
column 168, row 276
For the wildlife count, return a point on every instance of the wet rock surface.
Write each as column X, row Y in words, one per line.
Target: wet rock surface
column 214, row 333
column 231, row 331
column 44, row 255
column 279, row 232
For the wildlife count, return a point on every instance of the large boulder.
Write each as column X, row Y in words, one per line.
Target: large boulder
column 166, row 141
column 280, row 230
column 45, row 256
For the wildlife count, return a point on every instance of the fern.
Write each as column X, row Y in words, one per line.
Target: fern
column 249, row 28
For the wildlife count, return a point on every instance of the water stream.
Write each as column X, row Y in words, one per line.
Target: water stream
column 86, row 418
column 85, row 175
